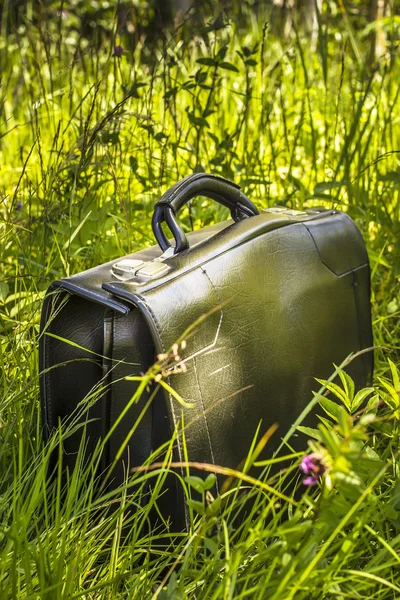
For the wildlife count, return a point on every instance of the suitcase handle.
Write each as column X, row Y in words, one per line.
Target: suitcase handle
column 217, row 188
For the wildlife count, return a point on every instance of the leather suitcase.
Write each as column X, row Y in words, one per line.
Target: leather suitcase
column 269, row 301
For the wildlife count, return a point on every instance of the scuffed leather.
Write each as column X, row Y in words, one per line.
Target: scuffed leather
column 286, row 297
column 285, row 319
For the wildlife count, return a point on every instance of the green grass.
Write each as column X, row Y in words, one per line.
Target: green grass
column 88, row 143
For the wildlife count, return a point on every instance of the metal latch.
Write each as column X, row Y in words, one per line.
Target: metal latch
column 126, row 269
column 129, row 268
column 152, row 269
column 285, row 211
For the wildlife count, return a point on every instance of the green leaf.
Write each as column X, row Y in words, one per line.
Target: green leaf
column 345, row 421
column 214, row 508
column 198, row 121
column 336, row 391
column 370, row 452
column 135, row 88
column 330, row 439
column 198, row 507
column 372, row 404
column 322, row 186
column 367, row 419
column 395, row 375
column 160, row 136
column 133, row 162
column 172, row 92
column 222, row 53
column 228, row 66
column 392, row 398
column 331, row 408
column 211, row 62
column 214, row 137
column 209, row 481
column 201, row 485
column 197, row 483
column 201, row 76
column 348, row 385
column 251, row 62
column 208, row 112
column 286, row 559
column 360, row 397
column 392, row 307
column 310, row 432
column 249, row 51
column 4, row 289
column 211, row 545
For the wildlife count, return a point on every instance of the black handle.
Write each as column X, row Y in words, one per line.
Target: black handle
column 199, row 184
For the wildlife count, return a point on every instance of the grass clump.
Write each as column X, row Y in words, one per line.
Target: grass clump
column 90, row 137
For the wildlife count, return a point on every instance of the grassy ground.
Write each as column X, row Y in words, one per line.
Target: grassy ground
column 88, row 142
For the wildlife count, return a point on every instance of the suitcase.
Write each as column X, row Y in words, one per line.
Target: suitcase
column 243, row 315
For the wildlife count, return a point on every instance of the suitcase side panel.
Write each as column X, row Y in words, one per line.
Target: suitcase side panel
column 71, row 371
column 96, row 349
column 284, row 317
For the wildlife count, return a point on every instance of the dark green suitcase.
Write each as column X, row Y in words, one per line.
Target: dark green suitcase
column 277, row 297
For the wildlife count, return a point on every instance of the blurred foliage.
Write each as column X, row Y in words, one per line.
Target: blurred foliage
column 99, row 21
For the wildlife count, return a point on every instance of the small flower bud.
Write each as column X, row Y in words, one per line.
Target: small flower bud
column 118, row 51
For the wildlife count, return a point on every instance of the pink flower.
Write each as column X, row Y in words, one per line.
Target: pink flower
column 311, row 480
column 311, row 465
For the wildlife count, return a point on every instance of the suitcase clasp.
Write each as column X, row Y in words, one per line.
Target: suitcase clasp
column 129, row 268
column 126, row 269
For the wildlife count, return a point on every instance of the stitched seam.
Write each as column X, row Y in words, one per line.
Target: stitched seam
column 198, row 383
column 110, row 375
column 93, row 293
column 325, row 265
column 153, row 318
column 215, row 291
column 180, row 453
column 75, row 287
column 205, row 421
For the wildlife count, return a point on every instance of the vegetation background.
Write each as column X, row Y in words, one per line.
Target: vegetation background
column 103, row 105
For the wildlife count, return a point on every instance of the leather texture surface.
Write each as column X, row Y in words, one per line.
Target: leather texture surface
column 285, row 295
